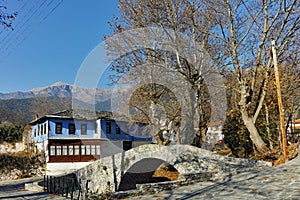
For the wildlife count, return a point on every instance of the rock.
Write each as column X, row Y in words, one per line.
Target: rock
column 10, row 175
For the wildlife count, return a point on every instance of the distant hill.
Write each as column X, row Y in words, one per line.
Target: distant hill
column 23, row 107
column 22, row 111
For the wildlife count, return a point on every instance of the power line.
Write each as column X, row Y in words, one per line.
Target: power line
column 17, row 25
column 18, row 34
column 4, row 28
column 23, row 25
column 26, row 26
column 251, row 15
column 24, row 38
column 37, row 24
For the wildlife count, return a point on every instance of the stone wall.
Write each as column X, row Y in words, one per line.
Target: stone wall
column 151, row 188
column 11, row 147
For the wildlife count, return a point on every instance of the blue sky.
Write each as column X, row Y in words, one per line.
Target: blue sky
column 50, row 40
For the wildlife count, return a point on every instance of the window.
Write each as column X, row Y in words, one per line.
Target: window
column 52, row 150
column 83, row 129
column 45, row 127
column 42, row 129
column 72, row 129
column 58, row 150
column 108, row 127
column 65, row 150
column 82, row 149
column 76, row 149
column 88, row 149
column 34, row 132
column 93, row 150
column 118, row 130
column 71, row 152
column 58, row 128
column 96, row 127
column 98, row 150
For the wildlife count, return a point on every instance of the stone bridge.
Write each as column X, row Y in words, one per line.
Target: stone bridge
column 122, row 171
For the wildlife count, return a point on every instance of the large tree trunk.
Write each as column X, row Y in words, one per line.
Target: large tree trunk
column 268, row 127
column 249, row 122
column 260, row 145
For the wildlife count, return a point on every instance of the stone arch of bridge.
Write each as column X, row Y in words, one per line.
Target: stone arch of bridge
column 142, row 171
column 153, row 151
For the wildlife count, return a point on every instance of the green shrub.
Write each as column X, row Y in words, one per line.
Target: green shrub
column 11, row 133
column 236, row 135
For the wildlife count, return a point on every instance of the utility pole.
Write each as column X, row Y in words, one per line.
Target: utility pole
column 281, row 114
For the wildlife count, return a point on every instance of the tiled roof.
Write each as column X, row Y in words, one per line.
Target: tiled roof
column 80, row 114
column 83, row 114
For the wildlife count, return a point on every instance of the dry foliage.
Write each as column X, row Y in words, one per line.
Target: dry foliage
column 171, row 175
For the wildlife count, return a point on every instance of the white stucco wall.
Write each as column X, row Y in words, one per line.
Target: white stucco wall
column 111, row 147
column 62, row 168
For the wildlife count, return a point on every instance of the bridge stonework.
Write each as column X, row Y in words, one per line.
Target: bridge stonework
column 105, row 174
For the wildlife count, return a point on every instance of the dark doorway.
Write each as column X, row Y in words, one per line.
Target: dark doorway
column 127, row 145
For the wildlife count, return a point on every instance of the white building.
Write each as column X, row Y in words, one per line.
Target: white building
column 76, row 138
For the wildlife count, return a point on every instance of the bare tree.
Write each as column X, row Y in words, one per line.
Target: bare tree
column 237, row 34
column 6, row 19
column 174, row 54
column 239, row 41
column 157, row 106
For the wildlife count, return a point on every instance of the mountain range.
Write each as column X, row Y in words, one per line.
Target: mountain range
column 62, row 90
column 23, row 107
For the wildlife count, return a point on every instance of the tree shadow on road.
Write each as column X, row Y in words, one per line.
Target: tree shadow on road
column 240, row 185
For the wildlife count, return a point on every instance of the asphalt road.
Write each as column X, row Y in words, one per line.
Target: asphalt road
column 15, row 190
